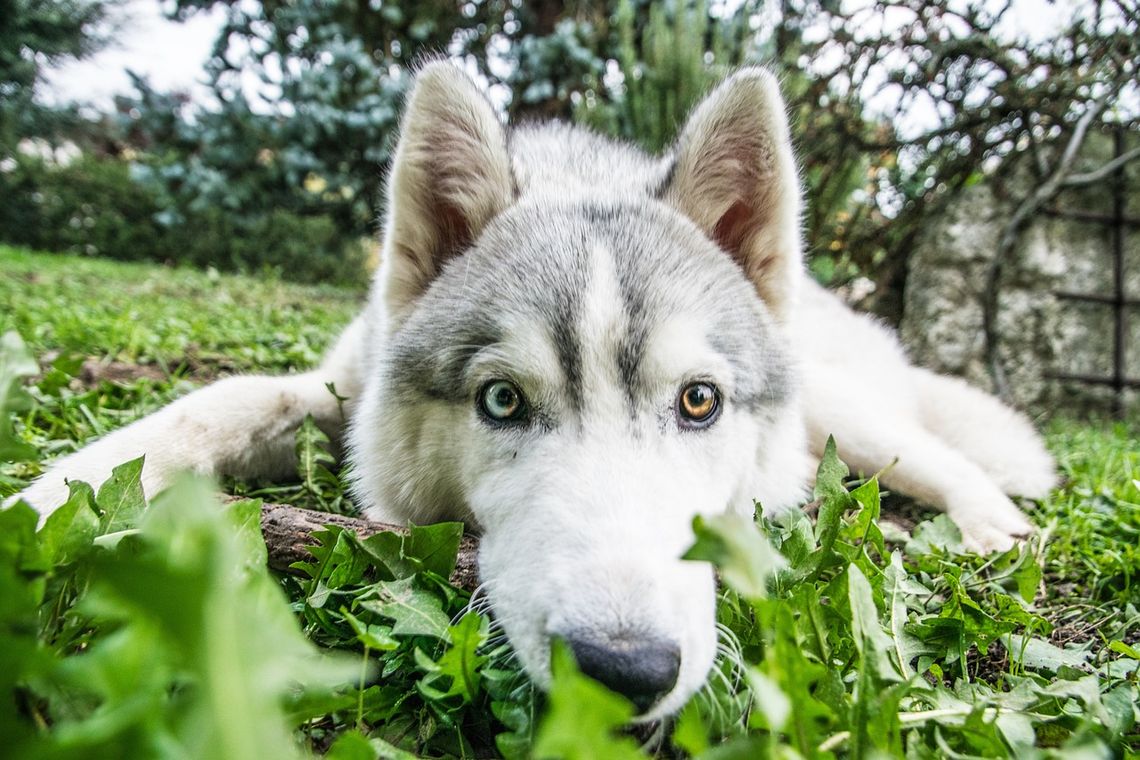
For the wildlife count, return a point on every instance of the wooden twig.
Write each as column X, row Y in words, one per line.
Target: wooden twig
column 288, row 533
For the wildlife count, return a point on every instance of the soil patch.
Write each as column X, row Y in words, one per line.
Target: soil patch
column 94, row 371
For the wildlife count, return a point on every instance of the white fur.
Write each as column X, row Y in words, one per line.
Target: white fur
column 584, row 523
column 941, row 441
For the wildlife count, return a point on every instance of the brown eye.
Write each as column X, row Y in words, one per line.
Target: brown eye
column 698, row 404
column 502, row 401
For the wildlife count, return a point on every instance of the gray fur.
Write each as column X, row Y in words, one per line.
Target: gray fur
column 532, row 262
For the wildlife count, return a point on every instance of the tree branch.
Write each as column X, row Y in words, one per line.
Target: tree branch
column 288, row 533
column 1096, row 175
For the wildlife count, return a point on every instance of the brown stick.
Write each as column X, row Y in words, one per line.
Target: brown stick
column 288, row 533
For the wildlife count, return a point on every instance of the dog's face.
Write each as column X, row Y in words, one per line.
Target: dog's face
column 581, row 375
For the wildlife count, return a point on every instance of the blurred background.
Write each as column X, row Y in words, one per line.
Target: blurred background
column 969, row 167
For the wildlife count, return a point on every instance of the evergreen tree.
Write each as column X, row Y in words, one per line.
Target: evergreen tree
column 34, row 35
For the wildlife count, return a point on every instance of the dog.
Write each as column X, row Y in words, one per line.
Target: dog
column 575, row 348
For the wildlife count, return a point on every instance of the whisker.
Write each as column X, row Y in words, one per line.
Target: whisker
column 656, row 736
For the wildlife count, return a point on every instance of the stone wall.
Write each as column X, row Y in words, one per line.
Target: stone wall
column 1039, row 333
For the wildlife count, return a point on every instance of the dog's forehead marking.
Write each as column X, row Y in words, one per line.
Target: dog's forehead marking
column 602, row 316
column 562, row 305
column 602, row 326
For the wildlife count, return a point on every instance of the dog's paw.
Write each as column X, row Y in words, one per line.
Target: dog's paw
column 991, row 526
column 1034, row 481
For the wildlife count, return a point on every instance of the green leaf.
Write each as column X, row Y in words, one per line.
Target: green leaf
column 834, row 501
column 414, row 610
column 339, row 562
column 865, row 526
column 377, row 637
column 435, row 547
column 582, row 716
column 872, row 643
column 1121, row 648
column 938, row 534
column 321, row 488
column 121, row 498
column 831, row 473
column 1027, row 575
column 68, row 532
column 746, row 559
column 22, row 587
column 1038, row 654
column 353, row 745
column 22, row 562
column 205, row 649
column 689, row 731
column 905, row 645
column 771, row 702
column 16, row 362
column 428, row 547
column 461, row 662
column 245, row 517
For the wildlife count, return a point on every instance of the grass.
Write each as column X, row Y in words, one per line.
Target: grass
column 132, row 632
column 1092, row 560
column 175, row 317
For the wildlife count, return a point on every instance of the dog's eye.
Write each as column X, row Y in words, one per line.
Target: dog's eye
column 501, row 401
column 698, row 405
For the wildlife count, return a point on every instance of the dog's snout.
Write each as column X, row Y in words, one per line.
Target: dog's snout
column 643, row 670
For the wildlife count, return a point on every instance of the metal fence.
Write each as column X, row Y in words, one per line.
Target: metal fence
column 1118, row 223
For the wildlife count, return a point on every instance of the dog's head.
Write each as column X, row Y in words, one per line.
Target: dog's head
column 583, row 348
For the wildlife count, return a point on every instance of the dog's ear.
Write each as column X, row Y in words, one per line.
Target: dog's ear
column 451, row 175
column 734, row 175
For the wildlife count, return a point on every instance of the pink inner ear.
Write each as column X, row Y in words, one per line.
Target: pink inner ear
column 732, row 228
column 453, row 231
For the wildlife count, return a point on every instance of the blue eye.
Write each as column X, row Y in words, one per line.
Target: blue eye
column 502, row 401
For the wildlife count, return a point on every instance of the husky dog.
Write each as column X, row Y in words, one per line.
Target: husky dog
column 576, row 348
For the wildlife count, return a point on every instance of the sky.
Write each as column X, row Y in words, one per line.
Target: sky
column 171, row 54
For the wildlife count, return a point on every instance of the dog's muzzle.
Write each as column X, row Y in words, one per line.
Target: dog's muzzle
column 643, row 670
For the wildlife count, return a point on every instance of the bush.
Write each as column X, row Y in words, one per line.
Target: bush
column 90, row 206
column 93, row 207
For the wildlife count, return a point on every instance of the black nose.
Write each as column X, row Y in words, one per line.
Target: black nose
column 643, row 670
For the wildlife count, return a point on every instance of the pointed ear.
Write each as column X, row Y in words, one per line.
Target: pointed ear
column 735, row 177
column 451, row 175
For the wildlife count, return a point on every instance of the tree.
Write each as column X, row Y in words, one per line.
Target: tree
column 34, row 35
column 308, row 97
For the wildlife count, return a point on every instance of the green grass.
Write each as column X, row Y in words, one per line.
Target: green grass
column 1092, row 557
column 134, row 631
column 171, row 316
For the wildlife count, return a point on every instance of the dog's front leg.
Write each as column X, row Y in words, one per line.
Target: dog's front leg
column 239, row 426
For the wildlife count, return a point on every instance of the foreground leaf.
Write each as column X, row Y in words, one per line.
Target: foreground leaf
column 16, row 362
column 205, row 652
column 746, row 558
column 583, row 716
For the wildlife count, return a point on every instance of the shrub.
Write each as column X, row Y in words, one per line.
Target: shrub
column 92, row 206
